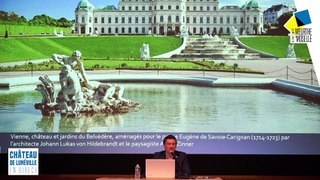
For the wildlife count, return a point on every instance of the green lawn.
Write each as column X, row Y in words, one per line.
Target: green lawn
column 14, row 30
column 276, row 45
column 113, row 64
column 21, row 49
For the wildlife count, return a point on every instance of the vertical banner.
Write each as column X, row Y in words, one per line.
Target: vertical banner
column 312, row 6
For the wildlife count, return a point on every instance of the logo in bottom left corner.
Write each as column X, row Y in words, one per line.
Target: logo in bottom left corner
column 23, row 161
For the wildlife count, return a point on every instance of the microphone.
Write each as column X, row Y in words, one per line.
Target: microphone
column 174, row 156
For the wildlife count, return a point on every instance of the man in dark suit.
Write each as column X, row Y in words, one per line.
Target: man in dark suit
column 182, row 165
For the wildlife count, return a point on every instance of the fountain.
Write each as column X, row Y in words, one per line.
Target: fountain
column 214, row 48
column 77, row 94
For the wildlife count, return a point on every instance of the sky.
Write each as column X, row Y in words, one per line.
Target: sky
column 65, row 8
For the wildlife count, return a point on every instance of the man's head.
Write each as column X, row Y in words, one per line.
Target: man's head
column 170, row 143
column 76, row 54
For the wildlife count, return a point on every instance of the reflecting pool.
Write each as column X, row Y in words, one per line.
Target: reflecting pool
column 173, row 108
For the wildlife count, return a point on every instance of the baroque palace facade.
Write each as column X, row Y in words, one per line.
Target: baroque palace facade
column 168, row 17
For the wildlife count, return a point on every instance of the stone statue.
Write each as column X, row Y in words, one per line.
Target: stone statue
column 206, row 36
column 149, row 32
column 56, row 34
column 234, row 32
column 244, row 33
column 290, row 51
column 70, row 92
column 77, row 94
column 75, row 62
column 145, row 51
column 184, row 32
column 46, row 89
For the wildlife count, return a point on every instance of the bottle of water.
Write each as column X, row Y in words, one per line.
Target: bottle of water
column 137, row 172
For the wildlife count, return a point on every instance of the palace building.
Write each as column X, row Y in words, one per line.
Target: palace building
column 168, row 17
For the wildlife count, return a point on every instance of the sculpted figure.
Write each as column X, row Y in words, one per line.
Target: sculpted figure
column 145, row 51
column 70, row 96
column 184, row 32
column 234, row 32
column 290, row 52
column 77, row 95
column 75, row 62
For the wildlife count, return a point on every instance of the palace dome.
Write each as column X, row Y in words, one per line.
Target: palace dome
column 251, row 5
column 85, row 4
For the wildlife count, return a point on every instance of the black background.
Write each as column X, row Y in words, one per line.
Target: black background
column 200, row 164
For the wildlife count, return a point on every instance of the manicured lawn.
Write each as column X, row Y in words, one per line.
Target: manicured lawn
column 276, row 45
column 113, row 64
column 21, row 49
column 28, row 30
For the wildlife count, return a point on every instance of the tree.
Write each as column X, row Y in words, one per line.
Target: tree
column 3, row 16
column 6, row 35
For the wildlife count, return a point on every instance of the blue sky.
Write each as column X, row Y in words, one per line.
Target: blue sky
column 65, row 8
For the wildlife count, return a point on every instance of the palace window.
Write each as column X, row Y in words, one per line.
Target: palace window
column 137, row 20
column 102, row 20
column 177, row 19
column 194, row 20
column 129, row 20
column 109, row 20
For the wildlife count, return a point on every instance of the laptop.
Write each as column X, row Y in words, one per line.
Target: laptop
column 160, row 168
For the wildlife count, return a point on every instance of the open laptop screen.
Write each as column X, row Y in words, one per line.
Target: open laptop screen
column 160, row 168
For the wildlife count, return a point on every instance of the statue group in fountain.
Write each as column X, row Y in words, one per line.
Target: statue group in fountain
column 78, row 95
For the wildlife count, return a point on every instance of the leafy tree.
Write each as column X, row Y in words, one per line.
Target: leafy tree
column 6, row 35
column 42, row 19
column 3, row 16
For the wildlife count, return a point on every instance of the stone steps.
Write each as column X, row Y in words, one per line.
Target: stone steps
column 214, row 48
